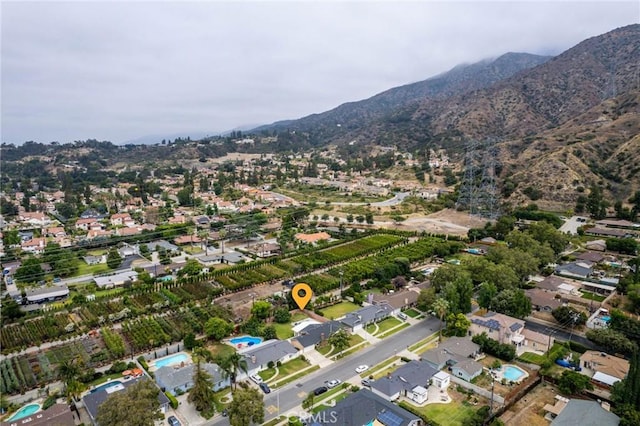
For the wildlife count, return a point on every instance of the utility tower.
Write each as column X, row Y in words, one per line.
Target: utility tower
column 478, row 192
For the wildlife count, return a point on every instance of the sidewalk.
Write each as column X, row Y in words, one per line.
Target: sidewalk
column 315, row 358
column 367, row 337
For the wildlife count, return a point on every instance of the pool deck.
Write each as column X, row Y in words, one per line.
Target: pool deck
column 499, row 374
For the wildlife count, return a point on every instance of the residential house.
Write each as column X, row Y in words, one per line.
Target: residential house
column 313, row 334
column 536, row 342
column 608, row 232
column 56, row 415
column 34, row 245
column 398, row 300
column 264, row 250
column 410, row 380
column 466, row 369
column 590, row 256
column 365, row 408
column 115, row 280
column 187, row 239
column 154, row 245
column 126, row 232
column 500, row 327
column 259, row 356
column 603, row 368
column 86, row 224
column 357, row 320
column 93, row 400
column 36, row 219
column 543, row 300
column 180, row 379
column 46, row 294
column 312, row 238
column 121, row 219
column 585, row 413
column 95, row 260
column 97, row 233
column 451, row 351
column 56, row 231
column 597, row 245
column 617, row 223
column 580, row 270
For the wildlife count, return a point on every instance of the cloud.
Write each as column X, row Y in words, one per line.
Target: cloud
column 120, row 70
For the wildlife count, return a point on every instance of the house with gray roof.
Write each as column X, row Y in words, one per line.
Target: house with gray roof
column 500, row 327
column 466, row 369
column 180, row 379
column 115, row 280
column 364, row 408
column 585, row 413
column 451, row 351
column 93, row 400
column 404, row 381
column 154, row 245
column 46, row 294
column 259, row 356
column 313, row 334
column 56, row 415
column 575, row 269
column 357, row 320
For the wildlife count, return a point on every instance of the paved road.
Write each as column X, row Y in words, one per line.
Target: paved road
column 563, row 334
column 291, row 395
column 397, row 199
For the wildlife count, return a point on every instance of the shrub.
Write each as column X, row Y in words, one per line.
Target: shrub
column 405, row 359
column 172, row 400
column 355, row 388
column 270, row 364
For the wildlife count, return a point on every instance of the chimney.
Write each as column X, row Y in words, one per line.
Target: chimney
column 253, row 359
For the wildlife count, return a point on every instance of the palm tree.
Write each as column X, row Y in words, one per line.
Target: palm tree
column 69, row 371
column 440, row 307
column 231, row 365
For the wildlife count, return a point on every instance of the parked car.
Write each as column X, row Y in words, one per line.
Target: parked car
column 264, row 387
column 173, row 421
column 402, row 316
column 257, row 379
column 366, row 382
column 362, row 368
column 225, row 413
column 320, row 390
column 333, row 383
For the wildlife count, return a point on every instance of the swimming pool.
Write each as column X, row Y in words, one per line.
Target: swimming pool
column 606, row 319
column 513, row 373
column 246, row 340
column 106, row 385
column 171, row 360
column 25, row 411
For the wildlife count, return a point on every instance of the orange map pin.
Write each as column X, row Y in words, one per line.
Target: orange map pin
column 301, row 301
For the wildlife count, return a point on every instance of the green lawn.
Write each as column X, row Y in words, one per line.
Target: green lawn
column 452, row 414
column 321, row 407
column 383, row 368
column 274, row 422
column 395, row 330
column 280, row 383
column 532, row 358
column 383, row 325
column 592, row 296
column 220, row 349
column 267, row 374
column 84, row 269
column 339, row 310
column 412, row 313
column 285, row 369
column 283, row 331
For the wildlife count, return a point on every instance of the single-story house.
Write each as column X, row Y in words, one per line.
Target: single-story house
column 551, row 283
column 607, row 369
column 227, row 257
column 365, row 408
column 93, row 400
column 500, row 327
column 598, row 245
column 608, row 232
column 266, row 249
column 259, row 356
column 466, row 369
column 404, row 382
column 618, row 223
column 56, row 415
column 95, row 260
column 357, row 320
column 154, row 245
column 575, row 269
column 47, row 294
column 591, row 256
column 542, row 300
column 175, row 380
column 313, row 334
column 450, row 351
column 581, row 412
column 398, row 300
column 312, row 238
column 115, row 280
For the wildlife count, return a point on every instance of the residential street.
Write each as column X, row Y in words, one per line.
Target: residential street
column 291, row 395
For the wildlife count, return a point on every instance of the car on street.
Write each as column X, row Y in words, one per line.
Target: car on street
column 173, row 421
column 320, row 390
column 264, row 387
column 257, row 379
column 366, row 382
column 362, row 368
column 333, row 383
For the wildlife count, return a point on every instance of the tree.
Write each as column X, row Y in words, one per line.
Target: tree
column 544, row 232
column 596, row 204
column 10, row 237
column 10, row 309
column 457, row 325
column 190, row 342
column 138, row 405
column 113, row 258
column 486, row 294
column 440, row 307
column 201, row 395
column 217, row 328
column 339, row 340
column 426, row 298
column 29, row 271
column 69, row 373
column 282, row 315
column 269, row 333
column 612, row 339
column 626, row 393
column 261, row 309
column 369, row 218
column 231, row 365
column 247, row 406
column 447, row 274
column 569, row 316
column 572, row 383
column 191, row 268
column 513, row 302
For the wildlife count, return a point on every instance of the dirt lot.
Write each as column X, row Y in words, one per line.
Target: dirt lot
column 528, row 411
column 446, row 221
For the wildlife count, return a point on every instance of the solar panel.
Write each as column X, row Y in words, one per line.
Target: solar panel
column 389, row 419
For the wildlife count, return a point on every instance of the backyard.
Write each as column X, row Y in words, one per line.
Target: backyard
column 339, row 310
column 284, row 331
column 451, row 414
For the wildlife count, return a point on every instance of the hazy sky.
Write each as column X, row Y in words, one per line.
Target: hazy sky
column 122, row 70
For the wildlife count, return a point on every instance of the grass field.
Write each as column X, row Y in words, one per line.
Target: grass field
column 412, row 313
column 395, row 330
column 283, row 331
column 383, row 326
column 220, row 349
column 84, row 269
column 591, row 296
column 339, row 310
column 452, row 414
column 532, row 358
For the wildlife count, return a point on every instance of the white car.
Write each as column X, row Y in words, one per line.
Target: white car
column 257, row 379
column 362, row 368
column 333, row 383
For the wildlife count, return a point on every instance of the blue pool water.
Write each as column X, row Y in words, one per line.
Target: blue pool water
column 166, row 278
column 25, row 411
column 170, row 360
column 246, row 340
column 106, row 385
column 606, row 319
column 512, row 373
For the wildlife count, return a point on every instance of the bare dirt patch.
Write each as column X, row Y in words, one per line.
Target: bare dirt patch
column 529, row 410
